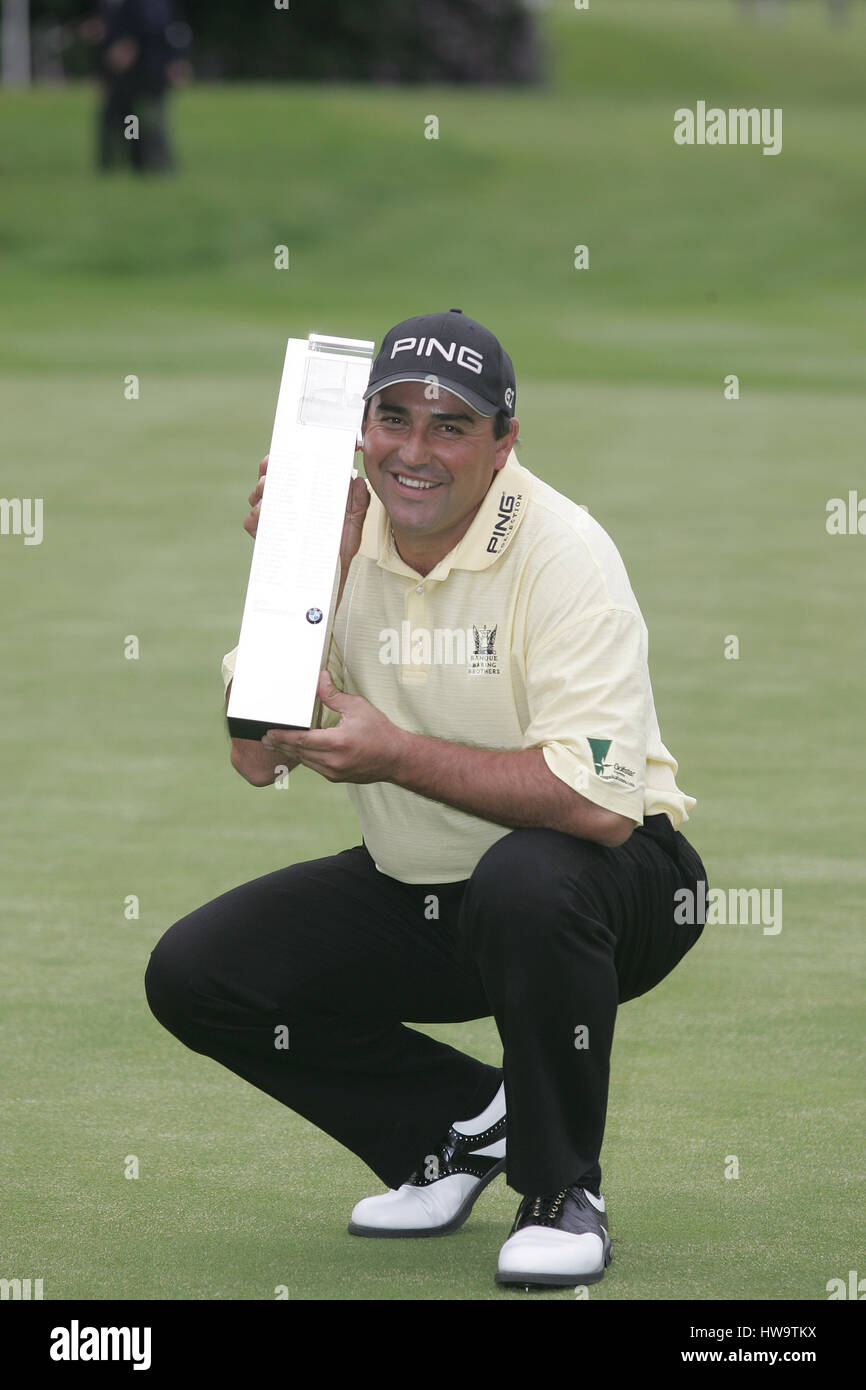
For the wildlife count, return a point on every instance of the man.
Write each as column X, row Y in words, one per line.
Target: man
column 137, row 64
column 488, row 704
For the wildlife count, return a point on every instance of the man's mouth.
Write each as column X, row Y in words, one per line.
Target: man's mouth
column 417, row 484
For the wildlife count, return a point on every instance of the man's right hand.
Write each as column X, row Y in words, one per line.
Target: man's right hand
column 255, row 499
column 120, row 55
column 252, row 760
column 353, row 524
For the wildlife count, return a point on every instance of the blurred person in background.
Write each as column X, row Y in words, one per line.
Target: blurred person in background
column 138, row 42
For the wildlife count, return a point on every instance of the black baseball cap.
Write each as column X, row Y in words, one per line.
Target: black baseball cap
column 453, row 352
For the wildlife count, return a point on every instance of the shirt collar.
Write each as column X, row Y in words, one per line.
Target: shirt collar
column 492, row 530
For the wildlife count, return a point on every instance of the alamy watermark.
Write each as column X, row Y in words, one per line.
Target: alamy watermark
column 744, row 907
column 77, row 1343
column 473, row 647
column 846, row 517
column 22, row 516
column 20, row 1289
column 737, row 126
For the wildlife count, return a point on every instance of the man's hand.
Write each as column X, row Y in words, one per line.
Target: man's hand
column 255, row 499
column 258, row 765
column 508, row 788
column 179, row 72
column 120, row 55
column 364, row 747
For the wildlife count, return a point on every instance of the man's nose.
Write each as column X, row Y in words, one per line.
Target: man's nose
column 413, row 450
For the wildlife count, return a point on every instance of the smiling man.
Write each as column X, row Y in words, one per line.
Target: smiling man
column 520, row 820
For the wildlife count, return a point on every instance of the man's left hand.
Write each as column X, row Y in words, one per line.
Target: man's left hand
column 364, row 746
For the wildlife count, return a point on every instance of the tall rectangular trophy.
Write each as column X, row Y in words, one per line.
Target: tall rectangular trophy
column 288, row 610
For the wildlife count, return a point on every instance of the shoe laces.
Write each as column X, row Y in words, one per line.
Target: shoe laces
column 546, row 1209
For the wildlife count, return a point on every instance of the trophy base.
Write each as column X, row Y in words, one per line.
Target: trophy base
column 256, row 728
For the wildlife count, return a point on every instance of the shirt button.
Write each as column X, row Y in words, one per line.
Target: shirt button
column 419, row 588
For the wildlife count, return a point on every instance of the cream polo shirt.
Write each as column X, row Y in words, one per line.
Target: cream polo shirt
column 527, row 634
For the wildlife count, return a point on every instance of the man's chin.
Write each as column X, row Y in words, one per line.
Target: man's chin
column 419, row 516
column 413, row 525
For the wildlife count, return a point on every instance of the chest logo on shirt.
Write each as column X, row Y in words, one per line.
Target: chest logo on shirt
column 483, row 660
column 471, row 647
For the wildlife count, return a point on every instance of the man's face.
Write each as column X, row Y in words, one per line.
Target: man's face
column 443, row 442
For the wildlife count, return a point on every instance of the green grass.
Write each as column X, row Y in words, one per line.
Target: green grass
column 116, row 773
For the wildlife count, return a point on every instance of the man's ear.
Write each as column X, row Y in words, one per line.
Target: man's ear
column 505, row 445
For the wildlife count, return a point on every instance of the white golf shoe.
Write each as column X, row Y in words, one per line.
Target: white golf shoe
column 560, row 1239
column 441, row 1193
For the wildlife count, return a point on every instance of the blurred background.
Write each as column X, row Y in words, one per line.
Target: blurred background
column 335, row 169
column 386, row 41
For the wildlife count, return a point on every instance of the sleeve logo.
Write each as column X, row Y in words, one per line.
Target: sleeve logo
column 610, row 771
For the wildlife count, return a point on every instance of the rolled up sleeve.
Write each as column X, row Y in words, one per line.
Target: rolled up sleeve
column 587, row 691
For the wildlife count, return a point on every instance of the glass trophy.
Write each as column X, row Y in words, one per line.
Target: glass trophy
column 288, row 610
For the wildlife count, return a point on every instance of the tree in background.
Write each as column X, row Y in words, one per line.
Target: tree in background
column 449, row 41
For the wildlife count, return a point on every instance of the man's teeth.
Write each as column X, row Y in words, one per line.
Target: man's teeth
column 414, row 482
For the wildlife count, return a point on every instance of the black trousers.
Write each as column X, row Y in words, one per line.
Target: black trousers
column 152, row 150
column 549, row 935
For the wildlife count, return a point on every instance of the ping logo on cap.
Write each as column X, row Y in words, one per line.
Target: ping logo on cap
column 466, row 356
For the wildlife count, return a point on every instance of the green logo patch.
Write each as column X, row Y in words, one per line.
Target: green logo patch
column 600, row 748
